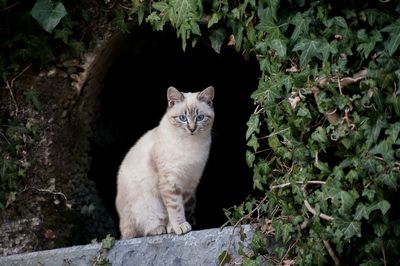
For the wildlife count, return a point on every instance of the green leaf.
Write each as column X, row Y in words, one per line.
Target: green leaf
column 108, row 242
column 308, row 48
column 160, row 6
column 394, row 40
column 62, row 34
column 287, row 230
column 383, row 206
column 183, row 10
column 389, row 180
column 380, row 229
column 301, row 24
column 47, row 14
column 279, row 46
column 362, row 211
column 250, row 157
column 217, row 38
column 253, row 142
column 351, row 229
column 252, row 125
column 344, row 200
column 215, row 17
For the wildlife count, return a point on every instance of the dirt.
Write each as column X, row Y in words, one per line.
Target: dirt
column 57, row 205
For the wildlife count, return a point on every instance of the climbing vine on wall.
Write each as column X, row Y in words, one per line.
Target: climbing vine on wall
column 324, row 136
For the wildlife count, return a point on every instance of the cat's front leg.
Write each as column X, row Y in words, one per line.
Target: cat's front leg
column 173, row 201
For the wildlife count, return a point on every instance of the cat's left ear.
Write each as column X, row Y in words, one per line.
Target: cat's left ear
column 174, row 96
column 207, row 95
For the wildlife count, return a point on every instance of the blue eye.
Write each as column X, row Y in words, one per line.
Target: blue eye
column 183, row 118
column 200, row 117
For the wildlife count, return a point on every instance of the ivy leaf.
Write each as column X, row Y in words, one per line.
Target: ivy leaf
column 63, row 34
column 308, row 48
column 301, row 24
column 217, row 38
column 287, row 230
column 270, row 27
column 389, row 180
column 393, row 132
column 385, row 149
column 253, row 125
column 362, row 211
column 253, row 142
column 343, row 199
column 380, row 229
column 215, row 17
column 383, row 206
column 160, row 6
column 250, row 157
column 394, row 40
column 351, row 229
column 183, row 10
column 279, row 46
column 47, row 14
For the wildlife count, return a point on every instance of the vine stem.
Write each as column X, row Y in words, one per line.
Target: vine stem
column 331, row 252
column 315, row 182
column 384, row 256
column 257, row 208
column 10, row 85
column 321, row 215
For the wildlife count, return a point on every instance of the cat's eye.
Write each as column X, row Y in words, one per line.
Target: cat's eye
column 183, row 118
column 200, row 117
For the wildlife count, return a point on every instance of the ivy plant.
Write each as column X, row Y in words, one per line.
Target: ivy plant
column 324, row 137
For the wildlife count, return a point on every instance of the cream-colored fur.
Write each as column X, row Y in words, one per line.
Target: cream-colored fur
column 162, row 170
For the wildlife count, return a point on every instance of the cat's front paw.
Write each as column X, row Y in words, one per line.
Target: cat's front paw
column 182, row 228
column 159, row 230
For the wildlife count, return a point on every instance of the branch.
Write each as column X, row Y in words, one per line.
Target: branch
column 343, row 82
column 315, row 182
column 321, row 215
column 331, row 252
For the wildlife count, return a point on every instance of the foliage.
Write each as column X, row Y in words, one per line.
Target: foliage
column 33, row 33
column 16, row 136
column 26, row 43
column 324, row 138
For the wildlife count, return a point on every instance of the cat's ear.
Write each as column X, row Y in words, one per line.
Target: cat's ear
column 207, row 95
column 174, row 96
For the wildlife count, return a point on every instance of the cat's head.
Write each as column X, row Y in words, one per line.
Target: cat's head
column 192, row 113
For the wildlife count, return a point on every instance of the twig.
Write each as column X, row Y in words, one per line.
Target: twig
column 10, row 85
column 340, row 86
column 384, row 256
column 274, row 133
column 12, row 96
column 331, row 252
column 51, row 192
column 315, row 182
column 237, row 224
column 287, row 252
column 383, row 160
column 321, row 215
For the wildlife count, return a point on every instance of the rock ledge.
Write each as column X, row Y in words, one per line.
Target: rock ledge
column 195, row 248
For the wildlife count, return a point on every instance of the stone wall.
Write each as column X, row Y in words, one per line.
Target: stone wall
column 195, row 248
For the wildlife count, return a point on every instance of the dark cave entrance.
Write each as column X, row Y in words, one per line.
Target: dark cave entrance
column 133, row 101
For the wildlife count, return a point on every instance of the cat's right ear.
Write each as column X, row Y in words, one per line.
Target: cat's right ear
column 174, row 96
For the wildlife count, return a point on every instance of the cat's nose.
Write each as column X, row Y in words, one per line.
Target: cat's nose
column 192, row 127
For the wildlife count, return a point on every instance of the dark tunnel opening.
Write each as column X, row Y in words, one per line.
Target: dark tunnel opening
column 133, row 101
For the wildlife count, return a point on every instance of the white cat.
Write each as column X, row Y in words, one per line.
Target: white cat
column 161, row 171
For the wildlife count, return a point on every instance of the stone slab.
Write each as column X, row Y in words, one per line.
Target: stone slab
column 195, row 248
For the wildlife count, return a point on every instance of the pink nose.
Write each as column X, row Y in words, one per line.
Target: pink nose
column 192, row 127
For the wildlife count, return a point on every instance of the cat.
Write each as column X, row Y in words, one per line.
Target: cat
column 160, row 173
